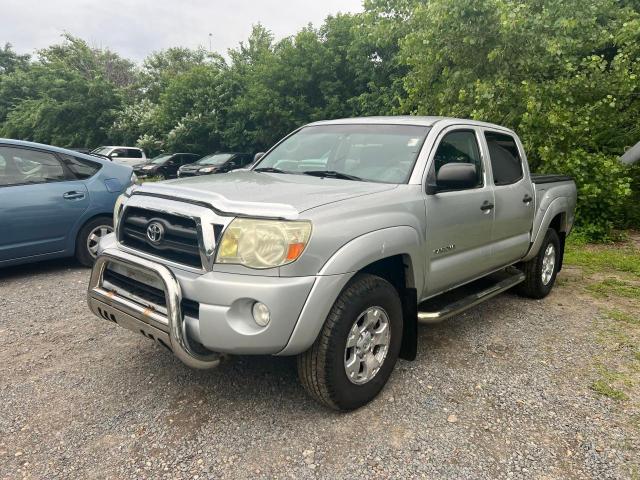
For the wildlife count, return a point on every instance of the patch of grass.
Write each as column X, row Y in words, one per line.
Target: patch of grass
column 623, row 258
column 615, row 287
column 603, row 388
column 621, row 316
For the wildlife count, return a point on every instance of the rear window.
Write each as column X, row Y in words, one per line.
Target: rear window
column 81, row 169
column 505, row 158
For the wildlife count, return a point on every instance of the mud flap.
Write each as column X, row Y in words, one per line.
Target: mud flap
column 409, row 346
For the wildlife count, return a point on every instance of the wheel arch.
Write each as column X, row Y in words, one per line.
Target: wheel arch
column 556, row 217
column 395, row 255
column 85, row 221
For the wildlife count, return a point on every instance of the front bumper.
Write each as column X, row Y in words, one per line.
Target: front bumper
column 223, row 322
column 193, row 173
column 169, row 330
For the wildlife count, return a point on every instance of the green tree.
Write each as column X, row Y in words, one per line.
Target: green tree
column 10, row 61
column 67, row 97
column 562, row 73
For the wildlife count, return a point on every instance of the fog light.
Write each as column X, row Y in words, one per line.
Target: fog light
column 261, row 314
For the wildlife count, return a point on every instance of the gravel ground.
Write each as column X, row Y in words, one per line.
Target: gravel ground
column 499, row 392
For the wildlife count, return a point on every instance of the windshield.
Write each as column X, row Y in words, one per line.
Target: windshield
column 102, row 150
column 160, row 159
column 215, row 159
column 377, row 153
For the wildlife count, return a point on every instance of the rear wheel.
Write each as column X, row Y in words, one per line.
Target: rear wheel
column 89, row 237
column 540, row 272
column 357, row 349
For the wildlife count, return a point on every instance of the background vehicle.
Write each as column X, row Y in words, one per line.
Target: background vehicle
column 216, row 163
column 165, row 165
column 333, row 246
column 123, row 155
column 55, row 202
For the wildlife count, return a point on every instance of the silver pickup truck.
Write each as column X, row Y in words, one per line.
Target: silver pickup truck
column 333, row 246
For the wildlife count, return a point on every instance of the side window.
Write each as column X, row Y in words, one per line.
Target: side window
column 460, row 146
column 505, row 158
column 120, row 153
column 26, row 166
column 246, row 160
column 81, row 169
column 134, row 153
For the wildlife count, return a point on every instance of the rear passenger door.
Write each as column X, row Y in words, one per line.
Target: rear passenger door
column 514, row 204
column 459, row 222
column 40, row 202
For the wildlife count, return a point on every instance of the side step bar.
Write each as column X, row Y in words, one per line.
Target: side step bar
column 457, row 301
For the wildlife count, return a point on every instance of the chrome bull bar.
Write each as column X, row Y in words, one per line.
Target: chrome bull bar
column 169, row 330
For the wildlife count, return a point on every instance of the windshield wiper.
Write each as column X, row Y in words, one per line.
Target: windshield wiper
column 269, row 170
column 332, row 174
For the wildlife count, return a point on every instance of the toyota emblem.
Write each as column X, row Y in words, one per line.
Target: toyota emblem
column 155, row 232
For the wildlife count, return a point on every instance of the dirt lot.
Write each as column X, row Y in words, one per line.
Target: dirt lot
column 512, row 389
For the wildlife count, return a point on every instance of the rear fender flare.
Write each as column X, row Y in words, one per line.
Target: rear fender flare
column 558, row 206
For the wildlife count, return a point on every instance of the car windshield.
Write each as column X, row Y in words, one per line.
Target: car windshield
column 215, row 159
column 102, row 150
column 160, row 159
column 376, row 153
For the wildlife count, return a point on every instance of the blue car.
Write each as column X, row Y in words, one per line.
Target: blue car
column 55, row 202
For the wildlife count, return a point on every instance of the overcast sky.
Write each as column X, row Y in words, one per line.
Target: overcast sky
column 136, row 28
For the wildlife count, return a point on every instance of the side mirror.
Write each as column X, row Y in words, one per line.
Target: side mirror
column 114, row 154
column 454, row 176
column 258, row 156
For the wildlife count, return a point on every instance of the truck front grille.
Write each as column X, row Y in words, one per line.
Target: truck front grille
column 177, row 240
column 147, row 293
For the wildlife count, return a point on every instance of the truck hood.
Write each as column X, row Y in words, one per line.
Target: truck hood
column 245, row 192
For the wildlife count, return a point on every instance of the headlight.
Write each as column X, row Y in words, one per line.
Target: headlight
column 147, row 167
column 207, row 169
column 257, row 243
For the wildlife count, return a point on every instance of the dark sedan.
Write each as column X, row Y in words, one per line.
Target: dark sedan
column 165, row 165
column 216, row 163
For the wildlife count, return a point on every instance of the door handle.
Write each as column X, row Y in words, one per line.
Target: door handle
column 73, row 195
column 527, row 198
column 486, row 206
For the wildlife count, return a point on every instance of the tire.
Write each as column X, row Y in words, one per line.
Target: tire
column 538, row 283
column 85, row 253
column 322, row 368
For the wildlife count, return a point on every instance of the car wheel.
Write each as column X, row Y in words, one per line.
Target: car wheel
column 89, row 237
column 540, row 272
column 358, row 346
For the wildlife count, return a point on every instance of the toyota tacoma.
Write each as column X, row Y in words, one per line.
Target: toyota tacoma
column 333, row 246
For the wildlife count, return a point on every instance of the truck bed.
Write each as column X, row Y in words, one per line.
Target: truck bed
column 549, row 178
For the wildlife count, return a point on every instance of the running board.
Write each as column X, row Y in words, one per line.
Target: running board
column 462, row 298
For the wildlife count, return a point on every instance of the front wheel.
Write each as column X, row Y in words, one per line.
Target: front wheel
column 540, row 272
column 89, row 237
column 358, row 346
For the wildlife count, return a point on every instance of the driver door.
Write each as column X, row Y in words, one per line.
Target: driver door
column 459, row 222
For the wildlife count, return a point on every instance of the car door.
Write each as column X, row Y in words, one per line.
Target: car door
column 459, row 221
column 514, row 205
column 40, row 202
